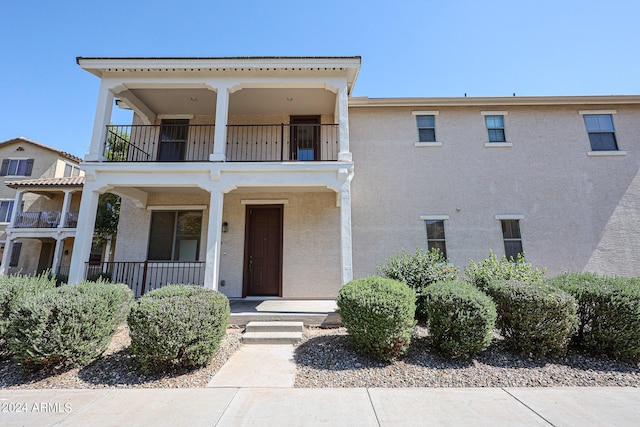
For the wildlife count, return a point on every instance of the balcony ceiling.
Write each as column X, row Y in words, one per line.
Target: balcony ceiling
column 253, row 101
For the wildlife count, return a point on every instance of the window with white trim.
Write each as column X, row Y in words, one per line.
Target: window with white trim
column 16, row 167
column 512, row 238
column 175, row 236
column 602, row 135
column 6, row 208
column 435, row 235
column 426, row 128
column 71, row 170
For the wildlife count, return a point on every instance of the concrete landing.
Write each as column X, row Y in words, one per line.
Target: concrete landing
column 258, row 366
column 310, row 312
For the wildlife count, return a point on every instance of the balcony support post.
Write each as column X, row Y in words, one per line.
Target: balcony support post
column 102, row 119
column 343, row 123
column 57, row 255
column 346, row 245
column 65, row 209
column 214, row 235
column 8, row 247
column 222, row 117
column 83, row 239
column 17, row 206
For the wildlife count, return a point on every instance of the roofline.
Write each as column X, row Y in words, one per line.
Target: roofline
column 209, row 58
column 364, row 101
column 22, row 139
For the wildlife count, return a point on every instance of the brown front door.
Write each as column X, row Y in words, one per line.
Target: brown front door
column 263, row 251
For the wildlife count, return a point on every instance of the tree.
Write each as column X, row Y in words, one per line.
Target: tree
column 107, row 217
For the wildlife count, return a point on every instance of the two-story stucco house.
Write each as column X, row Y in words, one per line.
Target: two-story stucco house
column 39, row 200
column 262, row 176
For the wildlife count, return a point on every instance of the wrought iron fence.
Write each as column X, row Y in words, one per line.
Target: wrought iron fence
column 144, row 276
column 50, row 219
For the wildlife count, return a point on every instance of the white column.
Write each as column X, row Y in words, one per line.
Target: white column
column 17, row 202
column 345, row 231
column 57, row 255
column 102, row 119
column 6, row 256
column 84, row 233
column 343, row 123
column 222, row 116
column 65, row 208
column 214, row 235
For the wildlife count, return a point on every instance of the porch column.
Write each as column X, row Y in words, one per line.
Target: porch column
column 17, row 205
column 57, row 255
column 345, row 231
column 222, row 116
column 214, row 235
column 102, row 119
column 343, row 123
column 6, row 255
column 65, row 208
column 84, row 233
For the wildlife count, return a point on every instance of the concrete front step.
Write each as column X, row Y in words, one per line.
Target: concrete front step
column 271, row 337
column 274, row 326
column 309, row 319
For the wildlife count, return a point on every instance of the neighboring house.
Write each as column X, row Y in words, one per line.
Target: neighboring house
column 40, row 197
column 262, row 177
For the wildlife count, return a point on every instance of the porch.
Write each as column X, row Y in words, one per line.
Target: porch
column 310, row 312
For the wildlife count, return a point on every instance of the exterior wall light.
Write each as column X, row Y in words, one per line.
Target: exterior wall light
column 225, row 227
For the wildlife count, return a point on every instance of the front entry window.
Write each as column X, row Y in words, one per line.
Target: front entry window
column 175, row 236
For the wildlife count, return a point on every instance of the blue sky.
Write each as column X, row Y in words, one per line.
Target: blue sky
column 408, row 48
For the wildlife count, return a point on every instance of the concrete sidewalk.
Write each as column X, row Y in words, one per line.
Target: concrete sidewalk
column 235, row 406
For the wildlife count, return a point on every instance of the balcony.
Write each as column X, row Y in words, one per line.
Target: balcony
column 245, row 143
column 48, row 219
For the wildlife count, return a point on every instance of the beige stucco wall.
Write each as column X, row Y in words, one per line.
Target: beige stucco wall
column 580, row 212
column 311, row 243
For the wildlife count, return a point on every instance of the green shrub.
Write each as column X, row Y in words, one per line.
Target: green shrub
column 461, row 318
column 493, row 269
column 68, row 326
column 178, row 326
column 419, row 270
column 535, row 317
column 379, row 316
column 608, row 310
column 15, row 288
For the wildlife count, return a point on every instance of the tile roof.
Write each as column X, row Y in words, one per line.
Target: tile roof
column 22, row 139
column 71, row 181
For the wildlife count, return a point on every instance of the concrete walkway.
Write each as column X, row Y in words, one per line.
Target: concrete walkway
column 232, row 406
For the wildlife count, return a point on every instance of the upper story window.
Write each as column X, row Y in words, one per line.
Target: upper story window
column 495, row 128
column 71, row 170
column 6, row 207
column 426, row 128
column 16, row 167
column 602, row 136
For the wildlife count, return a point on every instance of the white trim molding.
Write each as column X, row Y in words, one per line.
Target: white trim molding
column 425, row 113
column 177, row 208
column 606, row 153
column 265, row 202
column 434, row 217
column 494, row 113
column 583, row 112
column 498, row 145
column 507, row 216
column 427, row 144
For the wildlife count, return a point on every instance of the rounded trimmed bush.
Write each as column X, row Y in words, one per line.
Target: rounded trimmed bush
column 609, row 312
column 68, row 326
column 14, row 288
column 379, row 316
column 178, row 326
column 535, row 317
column 419, row 270
column 461, row 318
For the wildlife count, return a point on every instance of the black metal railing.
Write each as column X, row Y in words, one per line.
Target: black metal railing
column 47, row 219
column 282, row 142
column 144, row 276
column 159, row 143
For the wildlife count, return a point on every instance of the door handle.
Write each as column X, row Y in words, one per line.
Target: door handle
column 250, row 263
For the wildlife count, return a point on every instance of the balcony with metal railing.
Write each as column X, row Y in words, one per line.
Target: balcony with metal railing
column 46, row 219
column 245, row 143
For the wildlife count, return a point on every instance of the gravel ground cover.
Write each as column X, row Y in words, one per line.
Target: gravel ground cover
column 116, row 368
column 326, row 359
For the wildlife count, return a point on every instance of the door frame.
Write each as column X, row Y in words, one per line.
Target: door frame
column 247, row 239
column 305, row 120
